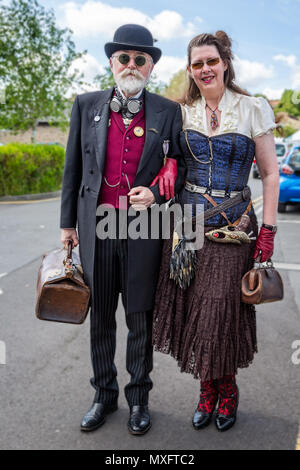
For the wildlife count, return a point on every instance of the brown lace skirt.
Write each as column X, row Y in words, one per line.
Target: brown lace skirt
column 206, row 327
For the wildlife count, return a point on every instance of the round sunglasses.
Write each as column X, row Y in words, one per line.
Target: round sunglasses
column 209, row 62
column 124, row 59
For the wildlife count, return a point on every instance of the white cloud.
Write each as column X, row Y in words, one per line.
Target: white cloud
column 95, row 18
column 89, row 67
column 251, row 74
column 292, row 62
column 169, row 24
column 167, row 67
column 296, row 78
column 272, row 93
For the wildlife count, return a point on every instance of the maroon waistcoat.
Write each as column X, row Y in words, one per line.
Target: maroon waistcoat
column 123, row 153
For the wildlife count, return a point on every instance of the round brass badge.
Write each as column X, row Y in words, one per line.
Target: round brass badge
column 138, row 131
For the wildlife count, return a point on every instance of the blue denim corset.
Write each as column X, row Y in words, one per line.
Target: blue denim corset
column 230, row 159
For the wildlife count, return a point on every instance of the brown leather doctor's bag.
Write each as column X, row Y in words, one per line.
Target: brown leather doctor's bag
column 62, row 295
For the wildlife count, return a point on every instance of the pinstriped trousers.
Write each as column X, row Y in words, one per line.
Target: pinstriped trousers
column 110, row 278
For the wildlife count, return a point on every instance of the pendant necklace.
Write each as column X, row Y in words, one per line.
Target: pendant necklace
column 213, row 118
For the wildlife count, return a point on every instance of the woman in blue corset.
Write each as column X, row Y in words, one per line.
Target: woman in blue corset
column 201, row 320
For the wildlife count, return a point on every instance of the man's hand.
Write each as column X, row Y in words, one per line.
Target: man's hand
column 140, row 198
column 69, row 234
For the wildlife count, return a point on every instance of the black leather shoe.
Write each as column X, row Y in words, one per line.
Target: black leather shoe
column 207, row 404
column 95, row 417
column 201, row 420
column 223, row 422
column 139, row 420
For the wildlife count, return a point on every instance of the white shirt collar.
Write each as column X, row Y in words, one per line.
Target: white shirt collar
column 195, row 116
column 228, row 98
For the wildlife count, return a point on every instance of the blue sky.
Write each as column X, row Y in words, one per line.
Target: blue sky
column 265, row 34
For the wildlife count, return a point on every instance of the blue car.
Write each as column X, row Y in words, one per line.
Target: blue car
column 290, row 179
column 282, row 151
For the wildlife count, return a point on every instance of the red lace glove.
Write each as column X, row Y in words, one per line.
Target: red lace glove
column 264, row 244
column 166, row 178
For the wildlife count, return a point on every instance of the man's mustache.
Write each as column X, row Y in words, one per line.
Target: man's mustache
column 133, row 72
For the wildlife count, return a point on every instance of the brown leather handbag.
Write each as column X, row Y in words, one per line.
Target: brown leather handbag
column 62, row 294
column 261, row 285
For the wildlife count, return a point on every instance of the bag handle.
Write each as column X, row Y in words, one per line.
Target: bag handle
column 68, row 261
column 255, row 271
column 252, row 277
column 265, row 264
column 69, row 249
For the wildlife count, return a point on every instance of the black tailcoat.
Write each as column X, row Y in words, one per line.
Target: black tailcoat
column 84, row 166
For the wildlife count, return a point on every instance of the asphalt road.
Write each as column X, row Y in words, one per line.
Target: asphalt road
column 44, row 384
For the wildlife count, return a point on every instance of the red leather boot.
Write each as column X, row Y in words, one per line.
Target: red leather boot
column 228, row 403
column 207, row 403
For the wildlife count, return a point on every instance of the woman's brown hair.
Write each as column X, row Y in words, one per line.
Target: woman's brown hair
column 223, row 44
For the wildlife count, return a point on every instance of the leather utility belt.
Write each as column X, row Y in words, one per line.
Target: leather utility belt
column 235, row 197
column 213, row 192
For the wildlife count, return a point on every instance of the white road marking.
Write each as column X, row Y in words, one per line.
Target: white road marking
column 257, row 199
column 258, row 210
column 287, row 266
column 286, row 221
column 3, row 274
column 298, row 439
column 2, row 353
column 30, row 202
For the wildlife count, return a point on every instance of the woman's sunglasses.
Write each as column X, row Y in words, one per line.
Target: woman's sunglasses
column 209, row 62
column 124, row 59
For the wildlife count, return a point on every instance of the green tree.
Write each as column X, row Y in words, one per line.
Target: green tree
column 257, row 95
column 284, row 131
column 155, row 85
column 35, row 65
column 287, row 104
column 177, row 86
column 104, row 80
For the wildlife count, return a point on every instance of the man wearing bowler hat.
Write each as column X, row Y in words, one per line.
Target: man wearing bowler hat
column 117, row 143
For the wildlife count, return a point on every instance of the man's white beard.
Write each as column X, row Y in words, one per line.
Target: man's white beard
column 131, row 84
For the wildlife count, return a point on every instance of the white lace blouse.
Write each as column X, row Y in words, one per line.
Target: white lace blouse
column 246, row 115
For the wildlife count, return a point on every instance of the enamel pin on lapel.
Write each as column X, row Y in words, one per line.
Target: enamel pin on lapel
column 165, row 147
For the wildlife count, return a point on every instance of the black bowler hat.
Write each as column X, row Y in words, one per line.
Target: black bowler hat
column 133, row 37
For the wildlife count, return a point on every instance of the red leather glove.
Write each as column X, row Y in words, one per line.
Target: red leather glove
column 264, row 244
column 166, row 178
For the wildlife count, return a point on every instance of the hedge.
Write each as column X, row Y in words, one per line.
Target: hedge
column 30, row 169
